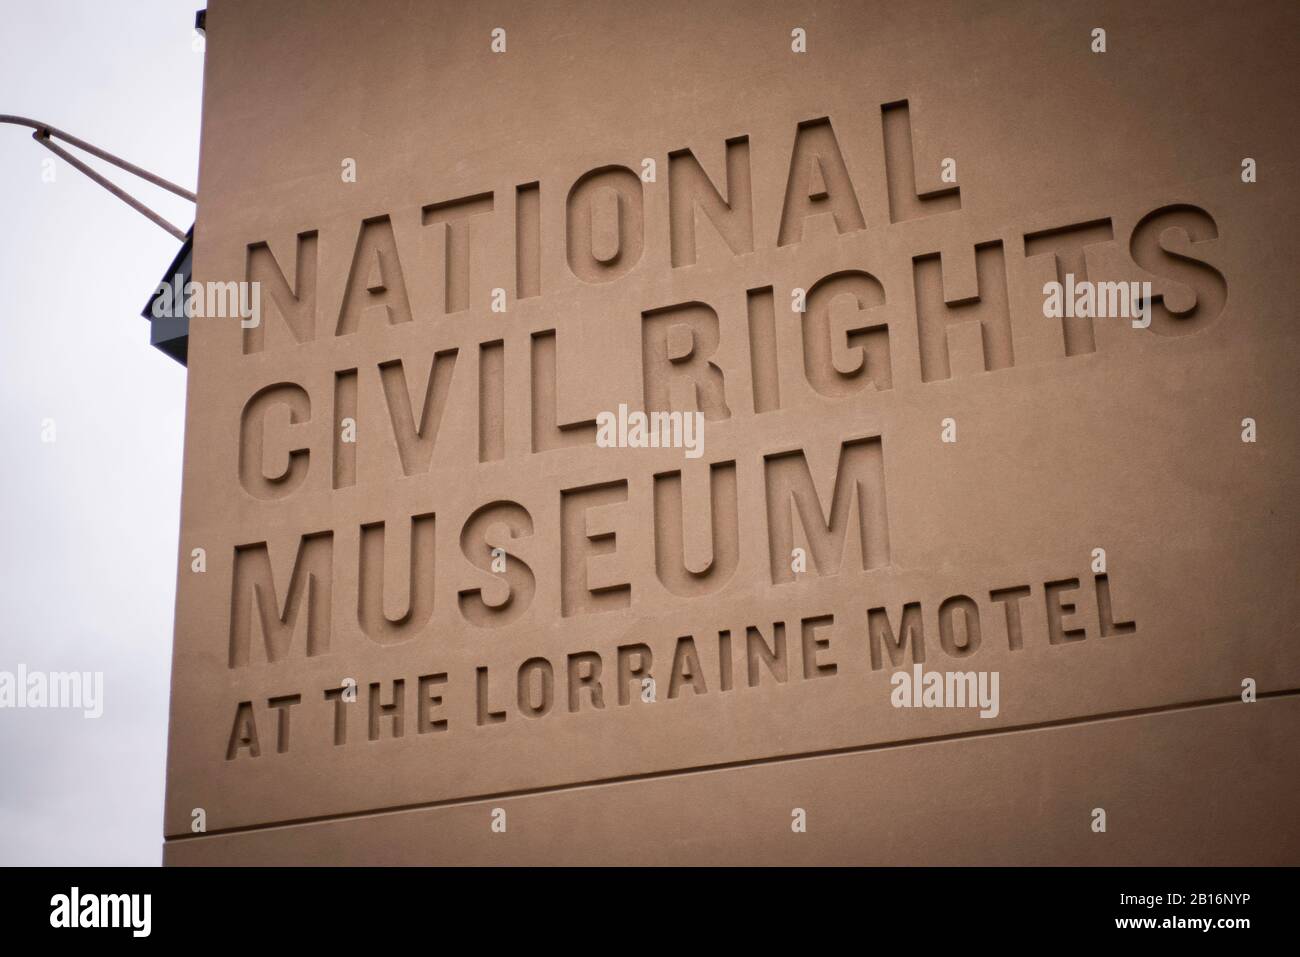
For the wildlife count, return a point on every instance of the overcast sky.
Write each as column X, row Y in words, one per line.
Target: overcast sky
column 88, row 522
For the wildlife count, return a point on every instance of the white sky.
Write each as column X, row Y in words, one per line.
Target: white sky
column 88, row 523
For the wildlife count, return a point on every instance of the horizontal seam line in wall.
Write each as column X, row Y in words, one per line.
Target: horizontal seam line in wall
column 728, row 765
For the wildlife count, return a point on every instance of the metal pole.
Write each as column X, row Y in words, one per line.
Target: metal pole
column 42, row 134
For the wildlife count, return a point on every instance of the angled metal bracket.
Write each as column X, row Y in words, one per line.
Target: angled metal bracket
column 43, row 133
